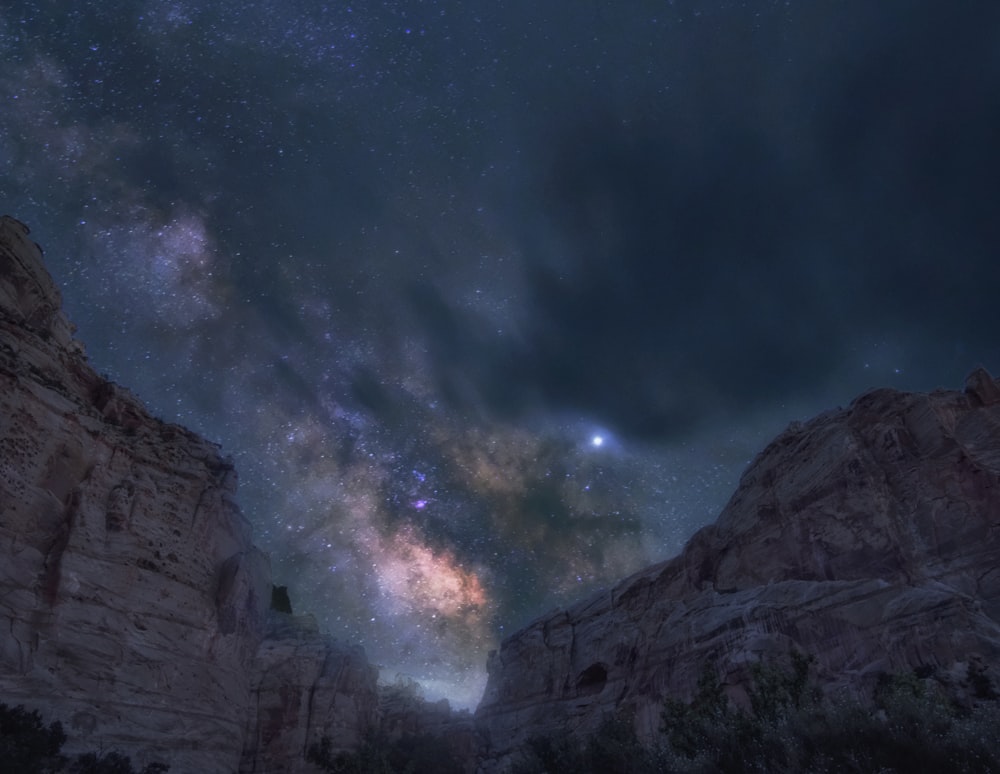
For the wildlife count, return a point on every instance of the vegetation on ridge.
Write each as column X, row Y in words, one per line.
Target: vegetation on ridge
column 409, row 754
column 791, row 727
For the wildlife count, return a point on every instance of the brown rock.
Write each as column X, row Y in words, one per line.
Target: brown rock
column 868, row 537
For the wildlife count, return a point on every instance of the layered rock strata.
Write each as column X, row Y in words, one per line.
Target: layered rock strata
column 133, row 602
column 132, row 598
column 868, row 537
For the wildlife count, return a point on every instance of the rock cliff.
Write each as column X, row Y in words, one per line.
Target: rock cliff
column 304, row 687
column 133, row 602
column 868, row 537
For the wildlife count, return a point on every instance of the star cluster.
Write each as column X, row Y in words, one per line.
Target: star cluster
column 492, row 303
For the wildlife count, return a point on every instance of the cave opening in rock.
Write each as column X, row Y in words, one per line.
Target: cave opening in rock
column 592, row 679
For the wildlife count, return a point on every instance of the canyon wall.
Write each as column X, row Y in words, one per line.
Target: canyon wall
column 133, row 602
column 868, row 537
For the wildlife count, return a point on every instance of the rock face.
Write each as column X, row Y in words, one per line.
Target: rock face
column 133, row 603
column 305, row 687
column 132, row 598
column 868, row 537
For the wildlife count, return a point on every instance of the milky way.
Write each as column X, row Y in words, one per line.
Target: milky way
column 491, row 303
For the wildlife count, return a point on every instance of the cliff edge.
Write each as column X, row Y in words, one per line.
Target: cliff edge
column 133, row 602
column 868, row 537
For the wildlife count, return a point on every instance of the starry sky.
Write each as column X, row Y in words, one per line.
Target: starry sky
column 491, row 303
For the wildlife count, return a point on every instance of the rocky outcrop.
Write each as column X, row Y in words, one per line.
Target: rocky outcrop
column 304, row 687
column 28, row 296
column 133, row 602
column 132, row 598
column 868, row 537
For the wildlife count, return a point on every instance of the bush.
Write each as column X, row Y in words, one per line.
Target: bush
column 369, row 757
column 28, row 745
column 111, row 763
column 612, row 749
column 410, row 754
column 691, row 728
column 791, row 727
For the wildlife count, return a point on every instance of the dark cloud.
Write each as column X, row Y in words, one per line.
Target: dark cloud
column 734, row 243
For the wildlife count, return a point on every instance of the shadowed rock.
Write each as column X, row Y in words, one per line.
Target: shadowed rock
column 133, row 602
column 868, row 537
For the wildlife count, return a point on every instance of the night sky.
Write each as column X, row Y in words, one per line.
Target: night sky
column 491, row 303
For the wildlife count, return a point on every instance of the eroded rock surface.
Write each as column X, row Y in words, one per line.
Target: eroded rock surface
column 133, row 602
column 304, row 687
column 868, row 537
column 132, row 598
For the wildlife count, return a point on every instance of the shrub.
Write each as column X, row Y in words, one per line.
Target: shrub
column 410, row 754
column 691, row 728
column 612, row 749
column 790, row 727
column 111, row 763
column 28, row 745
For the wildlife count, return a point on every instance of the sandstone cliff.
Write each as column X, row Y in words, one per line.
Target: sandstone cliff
column 869, row 537
column 133, row 603
column 304, row 687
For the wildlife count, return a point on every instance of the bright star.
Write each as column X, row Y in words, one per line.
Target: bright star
column 597, row 440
